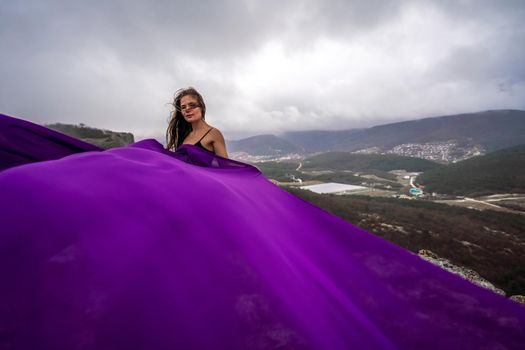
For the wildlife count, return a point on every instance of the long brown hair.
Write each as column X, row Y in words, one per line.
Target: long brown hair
column 178, row 127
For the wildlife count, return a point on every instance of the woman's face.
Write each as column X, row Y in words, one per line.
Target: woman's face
column 190, row 108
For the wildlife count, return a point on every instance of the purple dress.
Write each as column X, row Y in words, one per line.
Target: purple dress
column 140, row 248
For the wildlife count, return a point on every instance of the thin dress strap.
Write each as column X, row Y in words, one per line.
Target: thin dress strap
column 204, row 135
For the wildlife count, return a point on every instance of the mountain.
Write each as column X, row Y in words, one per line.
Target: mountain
column 322, row 141
column 502, row 171
column 98, row 137
column 491, row 129
column 363, row 162
column 446, row 138
column 264, row 145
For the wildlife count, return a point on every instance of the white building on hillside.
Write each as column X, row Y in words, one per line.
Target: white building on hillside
column 333, row 187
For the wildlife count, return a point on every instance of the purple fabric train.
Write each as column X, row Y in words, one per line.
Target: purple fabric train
column 141, row 248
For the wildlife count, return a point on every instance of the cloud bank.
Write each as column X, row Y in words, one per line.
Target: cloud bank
column 262, row 66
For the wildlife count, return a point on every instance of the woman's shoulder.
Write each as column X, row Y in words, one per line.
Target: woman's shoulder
column 215, row 132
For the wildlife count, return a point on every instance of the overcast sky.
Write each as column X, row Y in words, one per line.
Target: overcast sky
column 262, row 66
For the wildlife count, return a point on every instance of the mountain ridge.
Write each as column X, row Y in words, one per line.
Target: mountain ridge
column 465, row 134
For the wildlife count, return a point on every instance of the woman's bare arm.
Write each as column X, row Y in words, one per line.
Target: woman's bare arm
column 219, row 146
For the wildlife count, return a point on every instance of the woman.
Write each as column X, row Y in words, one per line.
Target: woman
column 187, row 124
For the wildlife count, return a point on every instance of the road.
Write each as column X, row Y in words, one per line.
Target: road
column 482, row 202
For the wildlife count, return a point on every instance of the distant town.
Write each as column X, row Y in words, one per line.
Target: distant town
column 441, row 152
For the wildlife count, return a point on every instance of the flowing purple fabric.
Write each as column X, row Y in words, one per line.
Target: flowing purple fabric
column 140, row 248
column 22, row 142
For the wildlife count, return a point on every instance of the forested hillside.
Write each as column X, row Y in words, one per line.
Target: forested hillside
column 498, row 172
column 364, row 162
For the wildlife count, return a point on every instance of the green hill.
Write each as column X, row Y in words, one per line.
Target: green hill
column 365, row 162
column 98, row 137
column 497, row 172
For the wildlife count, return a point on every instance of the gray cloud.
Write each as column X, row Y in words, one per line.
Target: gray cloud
column 263, row 66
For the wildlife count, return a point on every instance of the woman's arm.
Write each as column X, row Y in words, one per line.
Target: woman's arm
column 219, row 146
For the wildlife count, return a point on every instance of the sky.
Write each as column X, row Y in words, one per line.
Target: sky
column 262, row 66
